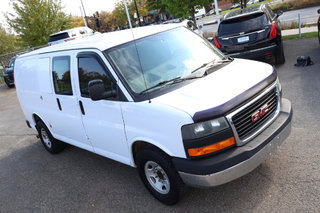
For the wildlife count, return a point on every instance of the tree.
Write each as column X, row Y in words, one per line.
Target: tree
column 75, row 21
column 35, row 20
column 8, row 42
column 180, row 8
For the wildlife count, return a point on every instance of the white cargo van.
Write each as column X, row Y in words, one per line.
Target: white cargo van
column 166, row 102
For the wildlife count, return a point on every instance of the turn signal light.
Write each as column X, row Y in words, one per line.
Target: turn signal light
column 216, row 42
column 193, row 152
column 273, row 30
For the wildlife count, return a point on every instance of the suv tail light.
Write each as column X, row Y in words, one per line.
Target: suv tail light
column 216, row 42
column 273, row 30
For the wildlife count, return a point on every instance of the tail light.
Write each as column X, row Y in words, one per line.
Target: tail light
column 273, row 30
column 216, row 42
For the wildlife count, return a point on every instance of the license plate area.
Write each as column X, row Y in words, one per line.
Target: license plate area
column 243, row 39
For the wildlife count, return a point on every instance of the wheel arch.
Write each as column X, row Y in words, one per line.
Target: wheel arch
column 139, row 145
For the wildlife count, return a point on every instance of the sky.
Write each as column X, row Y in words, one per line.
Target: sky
column 70, row 7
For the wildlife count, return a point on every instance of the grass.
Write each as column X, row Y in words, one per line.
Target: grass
column 303, row 35
column 1, row 77
column 258, row 3
column 295, row 4
column 291, row 25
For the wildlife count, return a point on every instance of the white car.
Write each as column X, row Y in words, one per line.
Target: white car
column 167, row 102
column 70, row 34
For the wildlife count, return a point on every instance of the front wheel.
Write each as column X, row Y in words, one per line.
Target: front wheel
column 159, row 176
column 51, row 144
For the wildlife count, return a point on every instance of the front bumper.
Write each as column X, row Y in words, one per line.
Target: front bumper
column 255, row 53
column 234, row 163
column 8, row 78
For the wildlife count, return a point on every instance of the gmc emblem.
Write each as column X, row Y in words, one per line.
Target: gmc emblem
column 259, row 113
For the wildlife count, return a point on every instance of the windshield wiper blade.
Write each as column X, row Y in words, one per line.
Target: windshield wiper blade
column 160, row 84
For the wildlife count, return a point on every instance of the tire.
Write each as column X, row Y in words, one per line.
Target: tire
column 51, row 144
column 319, row 36
column 279, row 55
column 159, row 176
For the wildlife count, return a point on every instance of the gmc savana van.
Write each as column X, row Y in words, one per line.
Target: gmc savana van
column 165, row 101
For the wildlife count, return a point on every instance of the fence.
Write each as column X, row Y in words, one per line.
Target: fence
column 4, row 59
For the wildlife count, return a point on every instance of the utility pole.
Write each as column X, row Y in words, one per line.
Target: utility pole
column 85, row 15
column 135, row 4
column 217, row 11
column 84, row 20
column 127, row 12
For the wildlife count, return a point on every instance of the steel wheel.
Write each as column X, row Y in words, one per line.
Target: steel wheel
column 45, row 138
column 157, row 177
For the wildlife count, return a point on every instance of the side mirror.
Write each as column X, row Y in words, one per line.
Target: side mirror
column 97, row 90
column 279, row 13
column 318, row 11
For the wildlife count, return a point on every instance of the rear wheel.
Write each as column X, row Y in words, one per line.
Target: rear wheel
column 279, row 55
column 319, row 36
column 159, row 176
column 51, row 144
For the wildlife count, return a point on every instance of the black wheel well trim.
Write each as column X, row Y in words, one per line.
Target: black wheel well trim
column 137, row 146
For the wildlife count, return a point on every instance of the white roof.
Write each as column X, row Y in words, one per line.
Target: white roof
column 106, row 40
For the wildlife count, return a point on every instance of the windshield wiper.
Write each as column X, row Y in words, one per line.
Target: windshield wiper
column 160, row 84
column 213, row 63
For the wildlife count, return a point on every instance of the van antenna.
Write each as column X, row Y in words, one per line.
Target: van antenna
column 134, row 41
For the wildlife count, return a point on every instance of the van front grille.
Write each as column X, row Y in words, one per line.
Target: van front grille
column 251, row 118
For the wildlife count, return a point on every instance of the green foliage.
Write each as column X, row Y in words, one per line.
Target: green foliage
column 35, row 20
column 178, row 8
column 303, row 35
column 8, row 41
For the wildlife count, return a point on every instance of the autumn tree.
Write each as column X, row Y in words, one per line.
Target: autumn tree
column 75, row 21
column 35, row 20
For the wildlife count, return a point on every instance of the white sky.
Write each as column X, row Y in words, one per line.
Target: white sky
column 70, row 7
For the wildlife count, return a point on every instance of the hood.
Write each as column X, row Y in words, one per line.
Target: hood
column 221, row 90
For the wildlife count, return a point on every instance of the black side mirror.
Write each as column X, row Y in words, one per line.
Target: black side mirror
column 279, row 13
column 97, row 90
column 319, row 11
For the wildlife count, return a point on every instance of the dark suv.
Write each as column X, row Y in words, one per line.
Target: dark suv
column 8, row 73
column 251, row 33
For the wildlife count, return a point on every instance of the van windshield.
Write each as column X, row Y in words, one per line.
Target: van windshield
column 164, row 56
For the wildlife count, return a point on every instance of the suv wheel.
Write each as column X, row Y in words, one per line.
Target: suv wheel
column 51, row 144
column 279, row 55
column 159, row 176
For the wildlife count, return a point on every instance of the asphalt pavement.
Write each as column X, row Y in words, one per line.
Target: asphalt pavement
column 32, row 180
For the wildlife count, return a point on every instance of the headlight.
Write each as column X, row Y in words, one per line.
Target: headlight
column 198, row 130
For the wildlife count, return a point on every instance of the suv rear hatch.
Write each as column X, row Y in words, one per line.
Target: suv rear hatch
column 250, row 31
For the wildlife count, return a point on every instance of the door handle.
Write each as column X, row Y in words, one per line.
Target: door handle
column 59, row 105
column 81, row 108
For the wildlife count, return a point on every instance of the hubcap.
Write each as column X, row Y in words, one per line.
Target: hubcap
column 45, row 138
column 157, row 177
